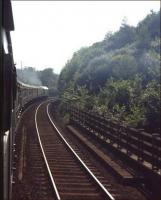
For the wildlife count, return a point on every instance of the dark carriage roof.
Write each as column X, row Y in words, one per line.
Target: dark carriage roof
column 7, row 15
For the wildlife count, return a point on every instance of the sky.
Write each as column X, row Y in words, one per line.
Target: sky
column 47, row 33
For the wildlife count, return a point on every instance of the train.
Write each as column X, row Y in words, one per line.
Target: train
column 15, row 96
column 26, row 94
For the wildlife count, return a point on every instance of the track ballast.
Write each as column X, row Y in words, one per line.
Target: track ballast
column 70, row 177
column 52, row 165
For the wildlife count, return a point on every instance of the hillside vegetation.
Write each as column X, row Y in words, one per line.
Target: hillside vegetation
column 118, row 77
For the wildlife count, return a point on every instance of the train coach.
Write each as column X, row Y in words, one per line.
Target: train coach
column 14, row 96
column 26, row 94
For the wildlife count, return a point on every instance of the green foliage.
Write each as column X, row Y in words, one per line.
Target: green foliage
column 150, row 100
column 73, row 69
column 148, row 29
column 48, row 77
column 126, row 35
column 118, row 77
column 95, row 74
column 149, row 66
column 123, row 66
column 136, row 117
column 79, row 97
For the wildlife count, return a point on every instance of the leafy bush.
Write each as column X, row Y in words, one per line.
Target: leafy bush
column 118, row 77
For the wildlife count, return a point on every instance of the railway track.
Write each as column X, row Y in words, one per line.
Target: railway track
column 30, row 175
column 69, row 175
column 49, row 167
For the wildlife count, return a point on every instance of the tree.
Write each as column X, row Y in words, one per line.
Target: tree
column 150, row 100
column 123, row 66
column 48, row 77
column 118, row 77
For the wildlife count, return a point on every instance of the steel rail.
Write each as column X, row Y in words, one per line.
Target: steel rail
column 80, row 160
column 45, row 159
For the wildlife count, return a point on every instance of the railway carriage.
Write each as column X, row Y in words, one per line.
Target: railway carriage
column 26, row 93
column 7, row 96
column 14, row 96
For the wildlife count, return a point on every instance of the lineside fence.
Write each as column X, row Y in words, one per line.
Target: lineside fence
column 143, row 147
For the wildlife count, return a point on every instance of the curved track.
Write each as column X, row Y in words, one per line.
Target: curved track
column 69, row 175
